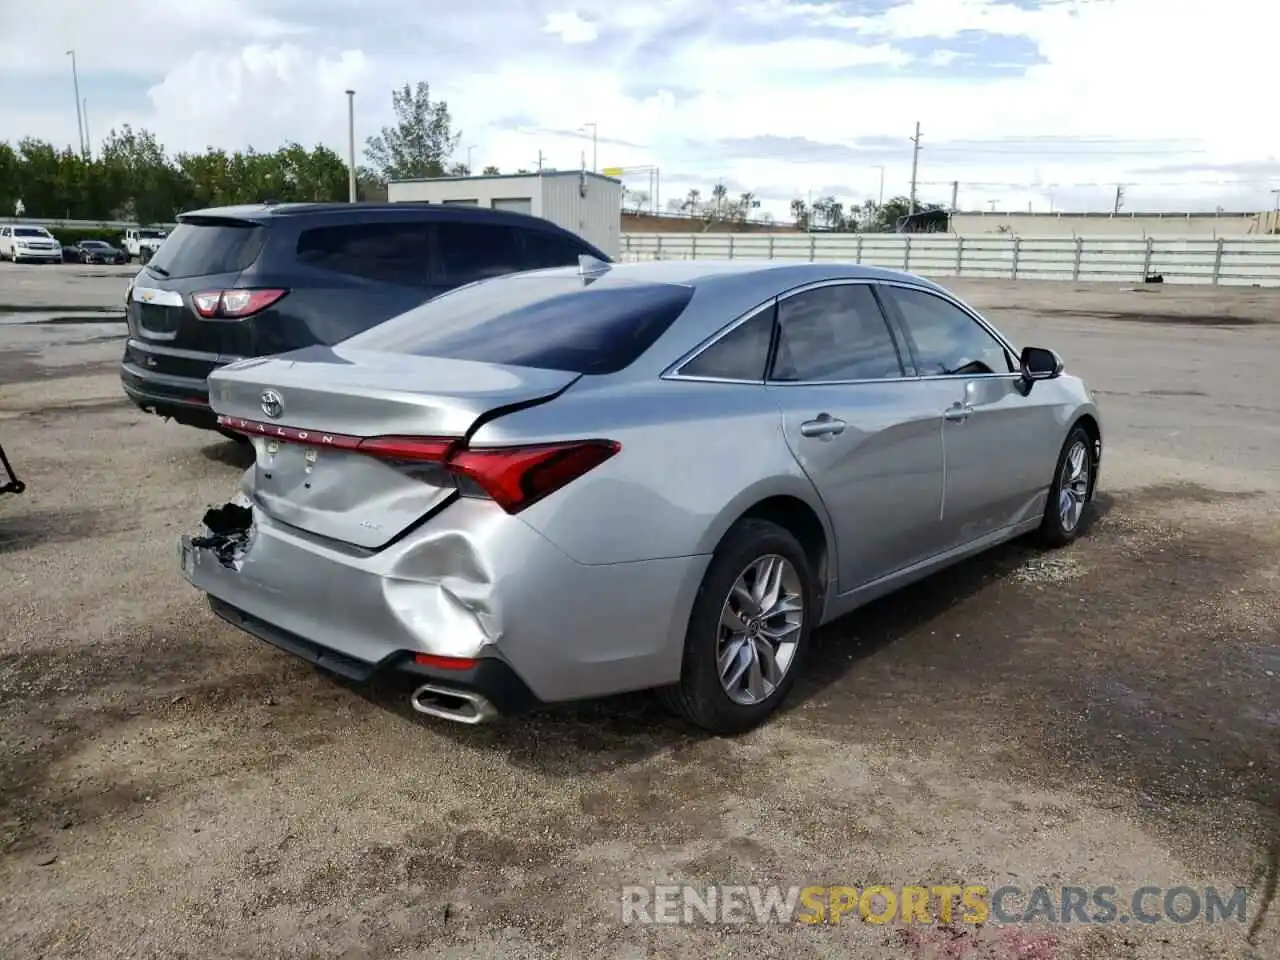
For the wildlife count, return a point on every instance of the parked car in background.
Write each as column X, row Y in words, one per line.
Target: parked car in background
column 141, row 243
column 95, row 251
column 249, row 281
column 571, row 483
column 32, row 244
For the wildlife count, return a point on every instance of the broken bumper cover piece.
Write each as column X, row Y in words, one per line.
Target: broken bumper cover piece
column 519, row 617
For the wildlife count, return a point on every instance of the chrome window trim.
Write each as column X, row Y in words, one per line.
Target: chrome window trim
column 672, row 372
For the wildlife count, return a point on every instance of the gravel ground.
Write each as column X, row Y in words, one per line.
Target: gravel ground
column 1108, row 714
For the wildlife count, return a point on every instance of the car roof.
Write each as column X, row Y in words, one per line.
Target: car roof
column 266, row 212
column 729, row 273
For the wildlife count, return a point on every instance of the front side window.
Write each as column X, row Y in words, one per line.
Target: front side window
column 948, row 342
column 834, row 333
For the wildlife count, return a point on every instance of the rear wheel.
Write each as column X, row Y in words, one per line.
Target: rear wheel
column 749, row 630
column 1071, row 491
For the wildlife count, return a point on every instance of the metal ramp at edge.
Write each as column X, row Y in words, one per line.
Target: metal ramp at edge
column 9, row 482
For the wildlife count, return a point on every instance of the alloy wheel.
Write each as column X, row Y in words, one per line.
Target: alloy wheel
column 1074, row 489
column 759, row 630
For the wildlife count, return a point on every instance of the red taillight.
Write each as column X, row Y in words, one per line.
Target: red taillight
column 233, row 304
column 444, row 663
column 407, row 448
column 515, row 477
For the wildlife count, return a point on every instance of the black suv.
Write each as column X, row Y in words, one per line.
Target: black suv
column 234, row 282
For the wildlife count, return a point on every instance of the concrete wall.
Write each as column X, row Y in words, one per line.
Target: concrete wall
column 972, row 223
column 1237, row 261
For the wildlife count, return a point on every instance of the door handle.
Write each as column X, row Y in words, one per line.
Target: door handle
column 824, row 425
column 958, row 412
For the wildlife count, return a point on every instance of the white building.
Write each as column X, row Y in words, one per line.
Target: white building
column 585, row 203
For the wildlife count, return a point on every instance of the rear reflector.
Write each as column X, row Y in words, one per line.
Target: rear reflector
column 515, row 477
column 444, row 663
column 233, row 304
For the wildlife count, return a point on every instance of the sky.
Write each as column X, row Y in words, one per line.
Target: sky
column 1022, row 104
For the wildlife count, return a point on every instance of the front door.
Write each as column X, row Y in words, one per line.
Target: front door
column 868, row 436
column 995, row 472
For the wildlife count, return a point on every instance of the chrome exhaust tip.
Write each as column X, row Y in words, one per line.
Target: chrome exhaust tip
column 459, row 706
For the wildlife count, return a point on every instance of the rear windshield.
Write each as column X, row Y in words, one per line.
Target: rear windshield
column 197, row 249
column 557, row 323
column 29, row 232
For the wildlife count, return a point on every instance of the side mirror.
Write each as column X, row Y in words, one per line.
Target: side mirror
column 1039, row 363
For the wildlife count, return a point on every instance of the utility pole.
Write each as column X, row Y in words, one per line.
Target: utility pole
column 915, row 164
column 75, row 79
column 1275, row 213
column 539, row 161
column 880, row 202
column 955, row 195
column 351, row 146
column 88, row 142
column 593, row 126
column 1119, row 199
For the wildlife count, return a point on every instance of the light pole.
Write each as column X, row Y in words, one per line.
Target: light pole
column 880, row 202
column 75, row 79
column 1275, row 213
column 351, row 146
column 592, row 125
column 470, row 169
column 88, row 142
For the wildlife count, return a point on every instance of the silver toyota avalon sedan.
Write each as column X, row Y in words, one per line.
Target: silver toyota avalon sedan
column 574, row 482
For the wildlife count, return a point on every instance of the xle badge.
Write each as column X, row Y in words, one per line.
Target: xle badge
column 310, row 457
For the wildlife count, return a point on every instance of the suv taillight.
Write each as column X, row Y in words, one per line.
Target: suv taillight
column 233, row 304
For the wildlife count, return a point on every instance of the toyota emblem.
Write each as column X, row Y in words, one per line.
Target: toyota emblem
column 272, row 404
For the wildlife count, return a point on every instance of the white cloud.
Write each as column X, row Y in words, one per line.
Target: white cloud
column 678, row 75
column 571, row 27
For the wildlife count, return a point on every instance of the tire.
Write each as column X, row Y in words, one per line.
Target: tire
column 700, row 697
column 1057, row 530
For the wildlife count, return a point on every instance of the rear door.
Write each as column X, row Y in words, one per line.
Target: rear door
column 867, row 434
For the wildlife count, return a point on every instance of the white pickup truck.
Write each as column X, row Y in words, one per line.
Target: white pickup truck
column 141, row 243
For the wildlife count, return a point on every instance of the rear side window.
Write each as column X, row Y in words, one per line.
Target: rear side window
column 834, row 333
column 198, row 249
column 546, row 249
column 398, row 253
column 558, row 323
column 741, row 354
column 476, row 251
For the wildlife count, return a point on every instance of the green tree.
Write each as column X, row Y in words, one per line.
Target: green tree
column 420, row 143
column 491, row 171
column 138, row 176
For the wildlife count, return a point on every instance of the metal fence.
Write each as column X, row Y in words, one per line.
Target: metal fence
column 1254, row 261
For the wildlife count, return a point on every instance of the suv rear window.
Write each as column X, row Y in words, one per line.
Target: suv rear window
column 199, row 249
column 558, row 323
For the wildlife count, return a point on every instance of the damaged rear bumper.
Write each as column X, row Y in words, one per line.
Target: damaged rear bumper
column 474, row 584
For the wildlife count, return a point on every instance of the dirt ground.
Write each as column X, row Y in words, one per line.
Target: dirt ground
column 1108, row 714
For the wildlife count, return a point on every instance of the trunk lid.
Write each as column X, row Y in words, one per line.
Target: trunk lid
column 307, row 411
